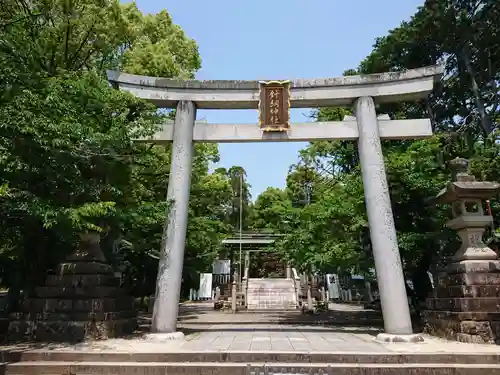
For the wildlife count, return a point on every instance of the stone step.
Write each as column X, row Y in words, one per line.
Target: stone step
column 277, row 291
column 271, row 307
column 270, row 292
column 274, row 300
column 269, row 304
column 254, row 368
column 270, row 282
column 271, row 301
column 271, row 287
column 295, row 310
column 49, row 356
column 270, row 296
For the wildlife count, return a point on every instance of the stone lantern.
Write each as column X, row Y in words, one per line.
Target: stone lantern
column 466, row 302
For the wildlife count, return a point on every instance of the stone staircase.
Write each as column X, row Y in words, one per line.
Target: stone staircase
column 51, row 362
column 271, row 294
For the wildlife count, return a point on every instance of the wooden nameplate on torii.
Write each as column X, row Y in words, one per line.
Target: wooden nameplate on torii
column 274, row 106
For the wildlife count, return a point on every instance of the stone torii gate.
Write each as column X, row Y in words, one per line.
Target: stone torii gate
column 273, row 99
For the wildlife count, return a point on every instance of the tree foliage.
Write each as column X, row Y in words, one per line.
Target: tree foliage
column 331, row 231
column 68, row 159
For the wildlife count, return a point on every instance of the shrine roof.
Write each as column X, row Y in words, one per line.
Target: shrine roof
column 253, row 239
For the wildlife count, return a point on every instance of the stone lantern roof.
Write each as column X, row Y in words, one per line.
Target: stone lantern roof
column 465, row 185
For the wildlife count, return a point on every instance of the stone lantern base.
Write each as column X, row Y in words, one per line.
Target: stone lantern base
column 466, row 303
column 81, row 300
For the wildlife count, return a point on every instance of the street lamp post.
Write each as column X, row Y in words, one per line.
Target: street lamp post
column 241, row 223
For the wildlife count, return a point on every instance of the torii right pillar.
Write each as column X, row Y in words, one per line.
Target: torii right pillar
column 390, row 277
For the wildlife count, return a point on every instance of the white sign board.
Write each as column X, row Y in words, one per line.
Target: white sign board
column 221, row 267
column 205, row 291
column 332, row 282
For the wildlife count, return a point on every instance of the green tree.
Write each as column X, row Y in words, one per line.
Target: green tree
column 68, row 160
column 464, row 110
column 271, row 210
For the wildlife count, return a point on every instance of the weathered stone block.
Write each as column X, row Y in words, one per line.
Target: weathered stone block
column 119, row 315
column 466, row 304
column 70, row 331
column 469, row 291
column 85, row 268
column 82, row 280
column 72, row 291
column 461, row 316
column 453, row 328
column 55, row 304
column 478, row 266
column 475, row 278
column 465, row 307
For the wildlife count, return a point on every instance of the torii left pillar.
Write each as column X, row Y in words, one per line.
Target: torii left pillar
column 168, row 282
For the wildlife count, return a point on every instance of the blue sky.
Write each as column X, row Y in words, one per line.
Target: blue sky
column 278, row 39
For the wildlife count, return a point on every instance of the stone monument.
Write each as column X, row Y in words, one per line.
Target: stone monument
column 81, row 300
column 465, row 305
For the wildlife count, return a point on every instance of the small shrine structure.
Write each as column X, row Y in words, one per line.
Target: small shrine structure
column 255, row 243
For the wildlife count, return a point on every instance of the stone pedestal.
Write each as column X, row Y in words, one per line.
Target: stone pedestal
column 465, row 305
column 81, row 300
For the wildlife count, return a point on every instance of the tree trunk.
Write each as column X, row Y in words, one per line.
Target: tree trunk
column 485, row 119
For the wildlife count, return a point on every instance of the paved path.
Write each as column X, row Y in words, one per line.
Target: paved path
column 215, row 331
column 272, row 338
column 209, row 330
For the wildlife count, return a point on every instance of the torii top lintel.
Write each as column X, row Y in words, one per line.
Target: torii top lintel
column 411, row 84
